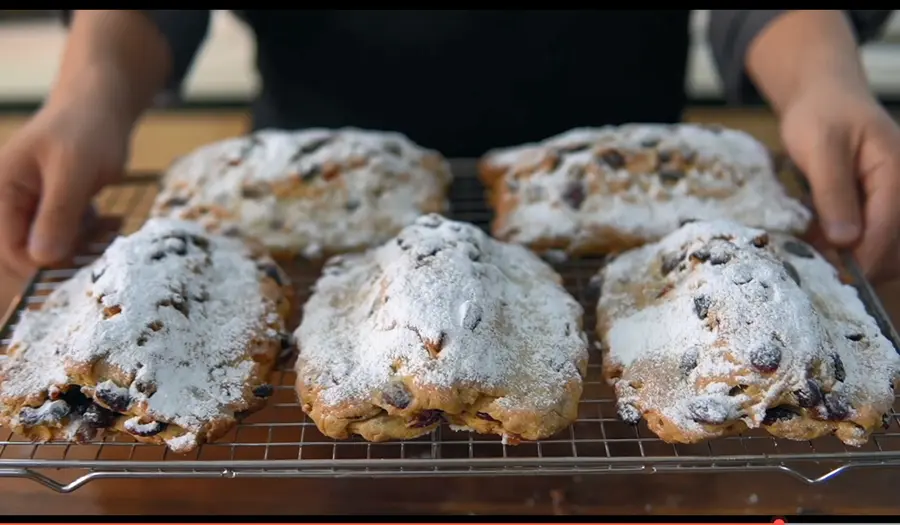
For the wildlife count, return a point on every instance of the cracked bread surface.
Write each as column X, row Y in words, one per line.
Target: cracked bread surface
column 169, row 337
column 719, row 327
column 314, row 192
column 599, row 190
column 442, row 323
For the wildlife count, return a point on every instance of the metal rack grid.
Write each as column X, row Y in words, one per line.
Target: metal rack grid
column 280, row 442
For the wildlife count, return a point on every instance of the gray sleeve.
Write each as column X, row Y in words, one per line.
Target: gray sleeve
column 731, row 32
column 184, row 30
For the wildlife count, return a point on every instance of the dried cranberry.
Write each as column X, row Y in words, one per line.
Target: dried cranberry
column 766, row 357
column 708, row 411
column 689, row 361
column 776, row 414
column 810, row 396
column 397, row 396
column 98, row 417
column 628, row 413
column 264, row 391
column 837, row 406
column 426, row 418
column 574, row 195
column 113, row 396
column 701, row 306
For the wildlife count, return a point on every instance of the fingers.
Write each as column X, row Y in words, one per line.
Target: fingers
column 830, row 169
column 18, row 199
column 65, row 197
column 879, row 252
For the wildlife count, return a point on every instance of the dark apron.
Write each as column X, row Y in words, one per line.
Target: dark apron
column 467, row 81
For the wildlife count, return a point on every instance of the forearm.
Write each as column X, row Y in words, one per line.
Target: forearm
column 800, row 49
column 113, row 57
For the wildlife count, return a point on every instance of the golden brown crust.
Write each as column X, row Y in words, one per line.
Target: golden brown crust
column 440, row 324
column 168, row 337
column 719, row 328
column 596, row 191
column 309, row 193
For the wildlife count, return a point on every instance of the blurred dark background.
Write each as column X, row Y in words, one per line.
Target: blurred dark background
column 223, row 75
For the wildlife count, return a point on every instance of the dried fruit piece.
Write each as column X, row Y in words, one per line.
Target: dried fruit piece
column 766, row 357
column 670, row 262
column 426, row 418
column 701, row 306
column 760, row 241
column 628, row 413
column 113, row 396
column 810, row 396
column 574, row 195
column 470, row 314
column 670, row 176
column 837, row 406
column 272, row 272
column 49, row 413
column 689, row 361
column 781, row 413
column 708, row 410
column 397, row 396
column 485, row 416
column 839, row 372
column 792, row 272
column 701, row 255
column 613, row 159
column 719, row 258
column 264, row 391
column 98, row 417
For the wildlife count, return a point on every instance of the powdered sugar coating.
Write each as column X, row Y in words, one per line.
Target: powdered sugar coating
column 709, row 327
column 450, row 308
column 169, row 320
column 309, row 191
column 595, row 189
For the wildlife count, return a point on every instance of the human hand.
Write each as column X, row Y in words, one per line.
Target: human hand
column 849, row 148
column 49, row 171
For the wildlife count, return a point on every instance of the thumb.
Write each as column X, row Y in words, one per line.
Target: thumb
column 65, row 198
column 830, row 169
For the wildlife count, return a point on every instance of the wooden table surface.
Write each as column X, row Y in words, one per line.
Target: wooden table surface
column 165, row 136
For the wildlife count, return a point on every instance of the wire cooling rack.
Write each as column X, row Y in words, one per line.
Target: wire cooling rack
column 280, row 442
